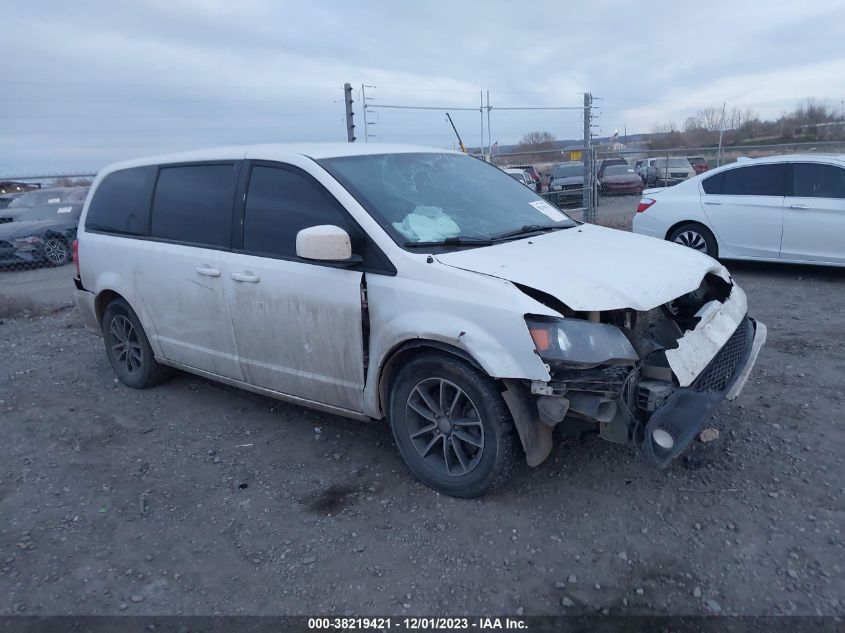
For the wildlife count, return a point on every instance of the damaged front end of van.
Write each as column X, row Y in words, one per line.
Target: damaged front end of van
column 648, row 378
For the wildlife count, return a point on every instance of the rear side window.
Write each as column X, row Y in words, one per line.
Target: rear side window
column 713, row 184
column 282, row 202
column 193, row 203
column 812, row 180
column 121, row 203
column 754, row 180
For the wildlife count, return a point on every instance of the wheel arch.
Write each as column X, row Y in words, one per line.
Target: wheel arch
column 404, row 352
column 103, row 299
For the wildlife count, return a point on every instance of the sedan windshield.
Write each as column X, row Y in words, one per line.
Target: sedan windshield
column 55, row 211
column 673, row 162
column 449, row 199
column 618, row 170
column 569, row 171
column 47, row 196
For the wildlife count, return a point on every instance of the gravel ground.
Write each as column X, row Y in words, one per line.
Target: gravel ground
column 192, row 498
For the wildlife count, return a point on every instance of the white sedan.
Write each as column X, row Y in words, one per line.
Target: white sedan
column 522, row 176
column 780, row 208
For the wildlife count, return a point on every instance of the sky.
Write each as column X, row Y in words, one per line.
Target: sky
column 88, row 83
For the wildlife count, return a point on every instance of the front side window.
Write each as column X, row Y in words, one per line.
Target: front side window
column 282, row 202
column 754, row 180
column 193, row 203
column 814, row 180
column 433, row 197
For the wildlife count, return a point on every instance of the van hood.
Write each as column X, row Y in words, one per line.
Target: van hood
column 593, row 268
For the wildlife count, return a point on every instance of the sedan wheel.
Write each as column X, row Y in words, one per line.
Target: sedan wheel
column 695, row 236
column 56, row 252
column 692, row 239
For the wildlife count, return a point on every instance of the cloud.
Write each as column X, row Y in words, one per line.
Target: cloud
column 103, row 81
column 763, row 92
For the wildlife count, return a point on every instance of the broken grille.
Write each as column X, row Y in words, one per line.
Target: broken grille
column 718, row 373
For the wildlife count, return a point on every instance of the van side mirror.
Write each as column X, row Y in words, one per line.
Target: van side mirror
column 324, row 243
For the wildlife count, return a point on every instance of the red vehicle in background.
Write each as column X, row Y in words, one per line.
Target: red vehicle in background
column 698, row 164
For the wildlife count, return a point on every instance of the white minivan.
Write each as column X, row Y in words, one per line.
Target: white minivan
column 416, row 285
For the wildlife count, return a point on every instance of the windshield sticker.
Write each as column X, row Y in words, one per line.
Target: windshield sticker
column 548, row 210
column 64, row 209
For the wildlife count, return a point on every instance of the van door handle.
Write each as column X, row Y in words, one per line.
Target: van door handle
column 246, row 276
column 712, row 202
column 798, row 206
column 207, row 271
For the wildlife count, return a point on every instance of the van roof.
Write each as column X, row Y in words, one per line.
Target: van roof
column 274, row 151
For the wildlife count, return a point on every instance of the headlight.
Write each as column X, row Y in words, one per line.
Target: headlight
column 32, row 239
column 579, row 342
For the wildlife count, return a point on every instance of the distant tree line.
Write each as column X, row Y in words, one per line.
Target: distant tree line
column 741, row 125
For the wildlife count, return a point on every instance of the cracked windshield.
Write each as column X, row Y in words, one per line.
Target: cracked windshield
column 444, row 198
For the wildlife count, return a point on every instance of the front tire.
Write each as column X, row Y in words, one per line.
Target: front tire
column 452, row 426
column 128, row 348
column 695, row 236
column 55, row 251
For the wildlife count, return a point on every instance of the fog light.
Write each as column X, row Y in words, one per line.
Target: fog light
column 663, row 438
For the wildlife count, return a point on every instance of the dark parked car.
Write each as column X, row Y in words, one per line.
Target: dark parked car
column 567, row 186
column 620, row 180
column 698, row 164
column 38, row 197
column 41, row 235
column 609, row 162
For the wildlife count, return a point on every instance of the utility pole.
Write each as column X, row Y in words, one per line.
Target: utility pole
column 481, row 112
column 721, row 132
column 364, row 108
column 588, row 159
column 350, row 126
column 489, row 136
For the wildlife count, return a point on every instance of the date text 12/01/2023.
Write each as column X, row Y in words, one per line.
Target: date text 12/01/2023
column 415, row 623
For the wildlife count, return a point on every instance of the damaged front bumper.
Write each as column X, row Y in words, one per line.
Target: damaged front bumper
column 678, row 420
column 688, row 358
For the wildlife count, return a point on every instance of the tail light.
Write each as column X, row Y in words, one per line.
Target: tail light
column 644, row 204
column 76, row 257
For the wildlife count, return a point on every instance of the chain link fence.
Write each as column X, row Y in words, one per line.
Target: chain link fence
column 38, row 221
column 39, row 214
column 665, row 167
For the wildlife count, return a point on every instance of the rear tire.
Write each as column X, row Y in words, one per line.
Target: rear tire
column 128, row 348
column 695, row 236
column 452, row 426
